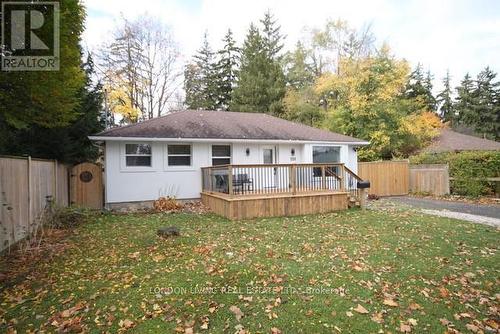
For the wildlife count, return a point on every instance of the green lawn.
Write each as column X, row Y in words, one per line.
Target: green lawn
column 405, row 270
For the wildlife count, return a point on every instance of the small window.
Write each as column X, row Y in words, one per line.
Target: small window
column 221, row 155
column 138, row 155
column 179, row 155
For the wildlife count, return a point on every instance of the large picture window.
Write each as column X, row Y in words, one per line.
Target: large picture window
column 138, row 155
column 326, row 154
column 179, row 155
column 221, row 155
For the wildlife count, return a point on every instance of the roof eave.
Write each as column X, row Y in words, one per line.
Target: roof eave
column 156, row 139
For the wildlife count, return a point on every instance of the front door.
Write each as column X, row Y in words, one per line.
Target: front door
column 270, row 173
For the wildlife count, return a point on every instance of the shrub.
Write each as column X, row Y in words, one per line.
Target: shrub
column 469, row 169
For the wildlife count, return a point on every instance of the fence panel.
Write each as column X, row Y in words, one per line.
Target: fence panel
column 25, row 186
column 433, row 179
column 387, row 178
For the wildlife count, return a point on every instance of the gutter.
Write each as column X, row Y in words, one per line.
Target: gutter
column 216, row 140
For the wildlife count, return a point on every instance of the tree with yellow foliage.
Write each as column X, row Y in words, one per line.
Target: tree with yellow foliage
column 366, row 100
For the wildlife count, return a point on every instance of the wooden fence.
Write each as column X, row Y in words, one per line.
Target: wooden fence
column 432, row 179
column 387, row 178
column 25, row 186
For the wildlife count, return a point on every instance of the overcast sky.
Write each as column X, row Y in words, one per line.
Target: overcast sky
column 459, row 35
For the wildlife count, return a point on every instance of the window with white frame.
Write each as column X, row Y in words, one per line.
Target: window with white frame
column 326, row 154
column 179, row 155
column 138, row 155
column 221, row 155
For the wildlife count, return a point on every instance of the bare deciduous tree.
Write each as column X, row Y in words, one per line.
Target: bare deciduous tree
column 142, row 61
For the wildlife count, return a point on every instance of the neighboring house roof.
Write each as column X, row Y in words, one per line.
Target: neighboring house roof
column 195, row 124
column 451, row 141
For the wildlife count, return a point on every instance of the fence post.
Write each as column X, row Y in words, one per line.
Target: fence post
column 55, row 182
column 29, row 195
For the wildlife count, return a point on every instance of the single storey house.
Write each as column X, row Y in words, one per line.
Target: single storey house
column 186, row 153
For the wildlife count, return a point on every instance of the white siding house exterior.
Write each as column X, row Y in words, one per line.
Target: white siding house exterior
column 180, row 174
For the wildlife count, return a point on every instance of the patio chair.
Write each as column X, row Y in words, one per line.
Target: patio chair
column 242, row 181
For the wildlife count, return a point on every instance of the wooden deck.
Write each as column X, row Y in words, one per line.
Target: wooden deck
column 252, row 191
column 274, row 205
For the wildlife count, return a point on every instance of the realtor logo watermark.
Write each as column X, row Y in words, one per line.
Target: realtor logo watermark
column 30, row 36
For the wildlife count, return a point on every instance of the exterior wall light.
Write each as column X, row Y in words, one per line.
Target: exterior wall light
column 247, row 151
column 292, row 152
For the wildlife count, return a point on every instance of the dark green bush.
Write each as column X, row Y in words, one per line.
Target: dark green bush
column 468, row 170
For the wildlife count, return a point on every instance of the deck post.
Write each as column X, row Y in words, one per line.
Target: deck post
column 230, row 179
column 293, row 179
column 362, row 199
column 342, row 178
column 323, row 177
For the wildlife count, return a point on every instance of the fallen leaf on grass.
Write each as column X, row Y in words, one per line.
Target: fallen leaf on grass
column 390, row 302
column 236, row 311
column 405, row 328
column 444, row 292
column 126, row 323
column 473, row 328
column 414, row 306
column 378, row 317
column 361, row 309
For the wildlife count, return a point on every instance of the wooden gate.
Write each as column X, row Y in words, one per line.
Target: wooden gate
column 387, row 178
column 86, row 186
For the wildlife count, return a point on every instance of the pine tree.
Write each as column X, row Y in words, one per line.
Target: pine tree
column 430, row 100
column 226, row 71
column 271, row 35
column 487, row 106
column 200, row 81
column 420, row 87
column 261, row 82
column 299, row 73
column 465, row 101
column 444, row 99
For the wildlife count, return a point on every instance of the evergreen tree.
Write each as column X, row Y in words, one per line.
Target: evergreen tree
column 430, row 100
column 465, row 101
column 299, row 73
column 201, row 79
column 486, row 109
column 261, row 81
column 226, row 71
column 444, row 99
column 272, row 37
column 420, row 87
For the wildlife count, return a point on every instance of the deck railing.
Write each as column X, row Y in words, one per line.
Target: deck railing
column 240, row 180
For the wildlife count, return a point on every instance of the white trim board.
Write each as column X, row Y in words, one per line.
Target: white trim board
column 215, row 140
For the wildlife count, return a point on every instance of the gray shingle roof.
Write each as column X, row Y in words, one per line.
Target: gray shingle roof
column 450, row 141
column 224, row 125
